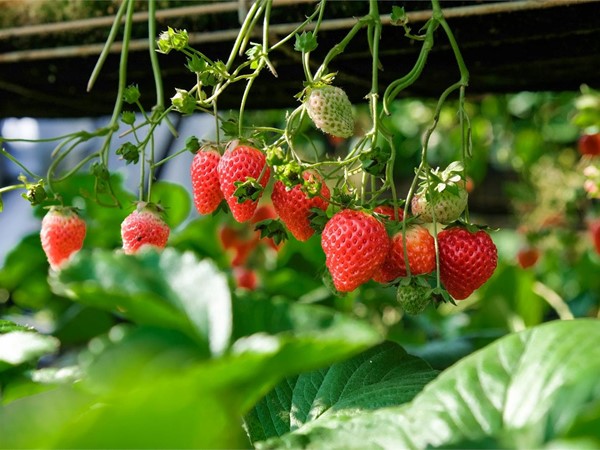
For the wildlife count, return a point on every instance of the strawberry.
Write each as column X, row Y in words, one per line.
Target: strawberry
column 527, row 257
column 62, row 234
column 589, row 144
column 420, row 247
column 467, row 260
column 594, row 228
column 245, row 278
column 413, row 298
column 330, row 110
column 228, row 236
column 442, row 194
column 355, row 245
column 294, row 205
column 388, row 211
column 144, row 226
column 205, row 181
column 239, row 165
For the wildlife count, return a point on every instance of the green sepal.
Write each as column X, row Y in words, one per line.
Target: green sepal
column 272, row 228
column 250, row 189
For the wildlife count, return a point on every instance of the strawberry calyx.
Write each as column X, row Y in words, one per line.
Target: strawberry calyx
column 470, row 227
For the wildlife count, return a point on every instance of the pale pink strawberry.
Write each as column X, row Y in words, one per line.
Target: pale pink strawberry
column 62, row 235
column 144, row 227
column 330, row 110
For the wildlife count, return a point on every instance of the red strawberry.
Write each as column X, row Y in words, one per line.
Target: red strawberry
column 237, row 165
column 420, row 247
column 467, row 260
column 205, row 181
column 228, row 237
column 388, row 211
column 527, row 257
column 144, row 226
column 294, row 205
column 594, row 227
column 62, row 234
column 355, row 245
column 589, row 144
column 245, row 278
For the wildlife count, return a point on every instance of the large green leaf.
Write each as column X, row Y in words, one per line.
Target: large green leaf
column 18, row 347
column 381, row 376
column 150, row 388
column 506, row 394
column 168, row 289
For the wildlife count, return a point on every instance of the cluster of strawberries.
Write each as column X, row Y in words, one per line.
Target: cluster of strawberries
column 360, row 243
column 356, row 242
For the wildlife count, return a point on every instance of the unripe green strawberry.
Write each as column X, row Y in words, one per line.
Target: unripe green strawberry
column 441, row 194
column 205, row 181
column 294, row 205
column 420, row 247
column 142, row 227
column 330, row 110
column 355, row 245
column 236, row 166
column 413, row 298
column 467, row 260
column 62, row 234
column 447, row 206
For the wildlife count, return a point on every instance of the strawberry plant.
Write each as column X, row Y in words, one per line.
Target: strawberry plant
column 313, row 298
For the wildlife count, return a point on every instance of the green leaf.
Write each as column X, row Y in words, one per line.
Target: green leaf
column 175, row 199
column 399, row 16
column 169, row 289
column 6, row 326
column 150, row 388
column 504, row 393
column 305, row 42
column 18, row 347
column 382, row 376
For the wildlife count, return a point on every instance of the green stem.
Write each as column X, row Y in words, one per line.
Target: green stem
column 300, row 27
column 169, row 158
column 341, row 46
column 12, row 187
column 244, row 30
column 123, row 62
column 76, row 168
column 399, row 85
column 18, row 163
column 153, row 56
column 107, row 45
column 56, row 162
column 150, row 169
column 249, row 84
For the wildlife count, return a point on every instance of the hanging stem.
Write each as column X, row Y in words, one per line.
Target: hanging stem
column 18, row 163
column 107, row 45
column 153, row 56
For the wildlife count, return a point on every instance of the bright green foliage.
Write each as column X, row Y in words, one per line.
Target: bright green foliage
column 382, row 376
column 523, row 391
